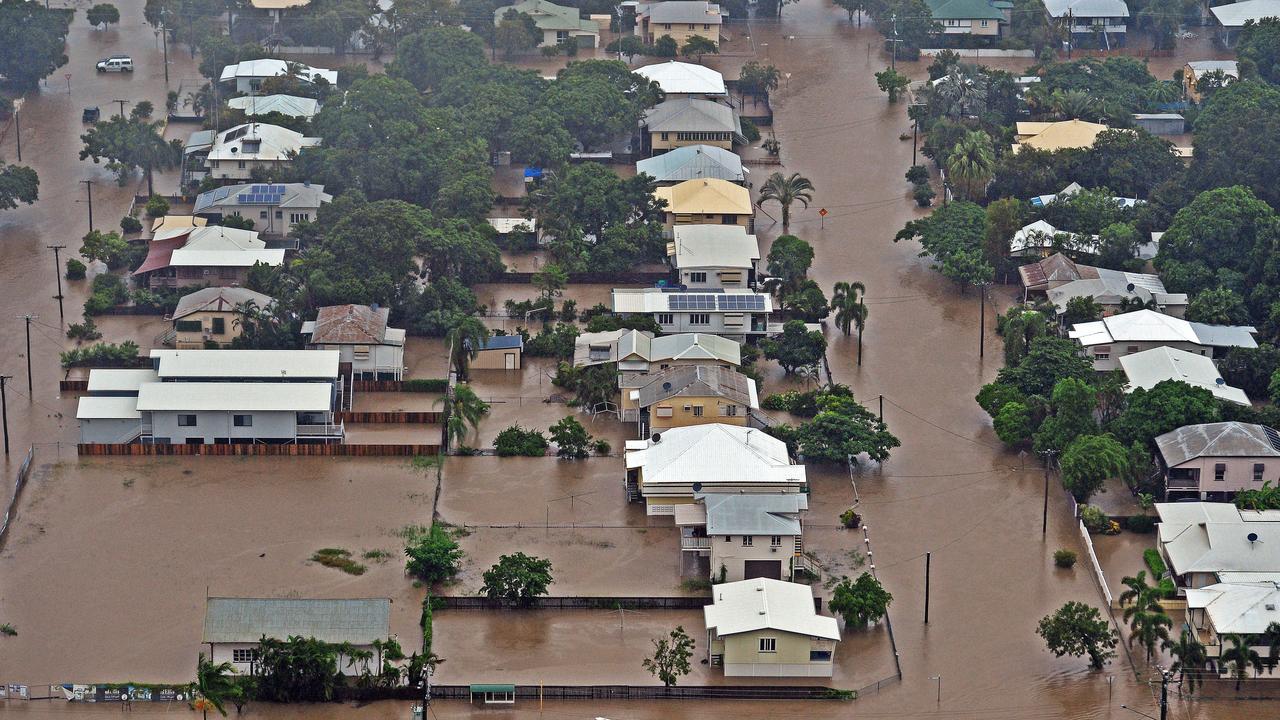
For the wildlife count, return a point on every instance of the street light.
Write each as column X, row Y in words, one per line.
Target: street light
column 939, row 679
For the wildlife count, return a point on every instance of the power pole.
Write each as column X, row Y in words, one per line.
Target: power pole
column 57, row 273
column 88, row 186
column 164, row 33
column 30, row 386
column 928, row 557
column 122, row 102
column 4, row 411
column 982, row 320
column 1070, row 38
column 17, row 126
column 893, row 62
column 881, row 418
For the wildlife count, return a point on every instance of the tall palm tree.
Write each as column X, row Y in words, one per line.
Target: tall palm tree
column 214, row 684
column 1136, row 587
column 1241, row 657
column 784, row 191
column 153, row 152
column 971, row 161
column 465, row 410
column 1190, row 659
column 466, row 339
column 846, row 301
column 961, row 91
column 1149, row 624
column 1072, row 104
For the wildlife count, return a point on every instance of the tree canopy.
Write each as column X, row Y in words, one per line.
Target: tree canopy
column 18, row 184
column 32, row 42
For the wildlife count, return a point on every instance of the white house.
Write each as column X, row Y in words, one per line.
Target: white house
column 237, row 152
column 233, row 627
column 1233, row 16
column 732, row 313
column 671, row 467
column 1107, row 340
column 744, row 536
column 639, row 352
column 682, row 78
column 221, row 413
column 210, row 255
column 274, row 209
column 249, row 74
column 714, row 256
column 290, row 105
column 360, row 334
column 1149, row 368
column 246, row 365
column 1247, row 609
column 1089, row 17
column 769, row 628
column 1203, row 543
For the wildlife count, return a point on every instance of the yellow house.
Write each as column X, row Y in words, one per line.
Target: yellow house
column 707, row 202
column 1057, row 135
column 681, row 20
column 1193, row 71
column 691, row 395
column 769, row 628
column 499, row 352
column 212, row 315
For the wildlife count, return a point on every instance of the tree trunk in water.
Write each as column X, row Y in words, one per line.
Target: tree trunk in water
column 859, row 347
column 150, row 186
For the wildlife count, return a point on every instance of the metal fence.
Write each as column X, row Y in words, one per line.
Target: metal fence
column 24, row 474
column 574, row 603
column 652, row 692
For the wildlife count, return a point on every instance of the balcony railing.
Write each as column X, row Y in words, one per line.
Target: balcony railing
column 695, row 543
column 323, row 430
column 1183, row 483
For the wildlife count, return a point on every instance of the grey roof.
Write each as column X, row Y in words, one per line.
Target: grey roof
column 693, row 162
column 1087, row 8
column 1224, row 439
column 753, row 514
column 695, row 346
column 247, row 620
column 503, row 342
column 1200, row 67
column 219, row 299
column 713, row 246
column 254, row 105
column 295, row 195
column 1237, row 14
column 700, row 380
column 684, row 114
column 685, row 11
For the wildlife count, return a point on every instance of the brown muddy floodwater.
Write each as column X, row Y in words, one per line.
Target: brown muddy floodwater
column 108, row 567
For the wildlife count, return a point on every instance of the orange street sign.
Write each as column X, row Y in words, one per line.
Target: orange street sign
column 823, row 212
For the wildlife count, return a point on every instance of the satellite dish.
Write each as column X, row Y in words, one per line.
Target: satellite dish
column 657, row 438
column 1129, row 287
column 1220, row 381
column 1252, row 537
column 666, row 386
column 697, row 487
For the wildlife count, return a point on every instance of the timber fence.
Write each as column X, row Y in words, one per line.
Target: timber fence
column 389, row 417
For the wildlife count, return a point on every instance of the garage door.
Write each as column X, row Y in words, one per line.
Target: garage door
column 762, row 568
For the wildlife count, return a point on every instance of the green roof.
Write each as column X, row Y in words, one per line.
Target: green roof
column 548, row 16
column 964, row 10
column 493, row 688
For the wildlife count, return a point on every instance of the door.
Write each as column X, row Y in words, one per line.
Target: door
column 762, row 568
column 510, row 361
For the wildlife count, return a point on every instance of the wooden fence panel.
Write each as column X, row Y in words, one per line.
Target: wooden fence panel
column 390, row 417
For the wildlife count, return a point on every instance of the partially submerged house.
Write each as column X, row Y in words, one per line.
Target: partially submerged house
column 557, row 23
column 980, row 18
column 1105, row 19
column 707, row 202
column 275, row 208
column 289, row 105
column 744, row 536
column 237, row 152
column 681, row 78
column 210, row 255
column 249, row 75
column 499, row 352
column 680, row 121
column 1149, row 368
column 234, row 627
column 670, row 468
column 689, row 395
column 639, row 352
column 1247, row 609
column 769, row 628
column 359, row 333
column 714, row 256
column 214, row 315
column 1204, row 543
column 1108, row 340
column 681, row 20
column 734, row 314
column 1057, row 135
column 1215, row 461
column 693, row 162
column 1059, row 279
column 1197, row 69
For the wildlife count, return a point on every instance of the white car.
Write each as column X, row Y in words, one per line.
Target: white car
column 116, row 63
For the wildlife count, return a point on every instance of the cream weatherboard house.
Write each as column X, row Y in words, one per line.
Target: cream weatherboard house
column 769, row 628
column 1108, row 340
column 361, row 336
column 214, row 315
column 234, row 627
column 714, row 256
column 1216, row 461
column 236, row 153
column 744, row 536
column 681, row 20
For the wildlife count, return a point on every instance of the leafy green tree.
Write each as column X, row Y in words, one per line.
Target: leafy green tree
column 1013, row 423
column 108, row 248
column 1250, row 369
column 1222, row 157
column 807, row 301
column 696, row 46
column 1048, row 360
column 665, row 47
column 789, row 259
column 1081, row 310
column 571, row 439
column 892, row 82
column 215, row 683
column 1077, row 629
column 129, row 143
column 550, row 280
column 758, row 80
column 796, row 347
column 860, row 601
column 103, row 14
column 1088, row 461
column 433, row 556
column 517, row 577
column 1019, row 328
column 18, row 183
column 842, row 431
column 1071, row 405
column 1259, row 44
column 296, row 670
column 1167, row 406
column 1189, row 661
column 786, row 191
column 1131, row 163
column 954, row 236
column 515, row 440
column 431, row 57
column 1118, row 245
column 1218, row 306
column 600, row 99
column 971, row 162
column 516, row 33
column 32, row 42
column 466, row 338
column 671, row 655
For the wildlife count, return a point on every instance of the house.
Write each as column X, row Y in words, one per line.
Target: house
column 769, row 628
column 1233, row 16
column 685, row 79
column 693, row 162
column 195, row 156
column 681, row 20
column 1057, row 135
column 1196, row 69
column 515, row 232
column 1111, row 338
column 734, row 314
column 360, row 335
column 669, row 468
column 233, row 627
column 1223, row 609
column 1237, row 456
column 1041, row 239
column 211, row 255
column 213, row 315
column 679, row 121
column 558, row 24
column 280, row 366
column 289, row 105
column 274, row 209
column 713, row 256
column 1105, row 19
column 169, row 225
column 237, row 152
column 689, row 395
column 1115, row 287
column 1161, row 123
column 638, row 351
column 248, row 75
column 707, row 202
column 744, row 536
column 499, row 352
column 1075, row 187
column 1060, row 271
column 1203, row 543
column 1149, row 368
column 967, row 17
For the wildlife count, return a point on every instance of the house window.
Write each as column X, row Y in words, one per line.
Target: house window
column 728, row 219
column 699, row 318
column 775, row 541
column 279, row 214
column 666, row 319
column 664, row 412
column 1220, row 471
column 697, row 277
column 242, row 420
column 1258, row 469
column 664, row 136
column 295, row 218
column 262, row 214
column 1129, row 350
column 768, row 645
column 186, row 421
column 729, row 410
column 189, row 326
column 1102, row 354
column 361, row 352
column 240, row 164
column 244, row 655
column 562, row 35
column 697, row 411
column 692, row 26
column 953, row 23
column 706, row 26
column 728, row 538
column 219, row 326
column 747, row 540
column 666, row 26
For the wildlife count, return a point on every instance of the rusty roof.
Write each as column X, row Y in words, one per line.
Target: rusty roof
column 350, row 325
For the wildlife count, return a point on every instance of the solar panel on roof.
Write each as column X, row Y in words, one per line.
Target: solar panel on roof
column 692, row 302
column 741, row 302
column 1272, row 436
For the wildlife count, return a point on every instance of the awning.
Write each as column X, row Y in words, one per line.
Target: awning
column 491, row 688
column 159, row 253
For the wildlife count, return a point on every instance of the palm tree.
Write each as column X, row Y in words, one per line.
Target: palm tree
column 846, row 301
column 466, row 339
column 971, row 160
column 1241, row 657
column 1148, row 622
column 786, row 190
column 961, row 91
column 1190, row 659
column 214, row 684
column 1072, row 104
column 1137, row 588
column 465, row 410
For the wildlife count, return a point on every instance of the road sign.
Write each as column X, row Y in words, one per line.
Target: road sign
column 823, row 212
column 822, row 218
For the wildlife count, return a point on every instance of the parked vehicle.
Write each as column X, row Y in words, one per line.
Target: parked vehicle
column 116, row 63
column 90, row 115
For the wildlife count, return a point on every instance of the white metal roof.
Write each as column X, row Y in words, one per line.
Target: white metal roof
column 274, row 143
column 1200, row 67
column 695, row 346
column 1087, row 8
column 93, row 407
column 290, row 105
column 1149, row 368
column 753, row 514
column 1245, row 608
column 682, row 78
column 1151, row 326
column 709, row 246
column 693, row 162
column 711, row 454
column 119, row 379
column 767, row 604
column 258, row 364
column 210, row 258
column 1217, row 540
column 233, row 396
column 504, row 225
column 1237, row 14
column 268, row 67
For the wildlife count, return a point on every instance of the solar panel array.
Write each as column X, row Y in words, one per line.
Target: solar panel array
column 262, row 195
column 692, row 302
column 728, row 303
column 735, row 303
column 1272, row 437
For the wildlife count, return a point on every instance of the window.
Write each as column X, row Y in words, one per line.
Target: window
column 186, row 421
column 697, row 277
column 279, row 214
column 664, row 412
column 699, row 318
column 768, row 645
column 1258, row 469
column 953, row 23
column 189, row 326
column 219, row 326
column 1220, row 471
column 730, row 410
column 666, row 26
column 262, row 214
column 728, row 538
column 242, row 420
column 775, row 541
column 361, row 352
column 728, row 219
column 244, row 655
column 666, row 319
column 747, row 540
column 1099, row 355
column 240, row 164
column 562, row 35
column 664, row 135
column 692, row 26
column 706, row 26
column 1131, row 349
column 295, row 218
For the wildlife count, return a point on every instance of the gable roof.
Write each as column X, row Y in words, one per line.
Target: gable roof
column 1224, row 439
column 1151, row 326
column 689, row 114
column 290, row 105
column 753, row 514
column 1059, row 135
column 684, row 11
column 713, row 453
column 1244, row 608
column 767, row 604
column 1228, row 67
column 349, row 325
column 682, row 78
column 232, row 364
column 699, row 381
column 1087, row 8
column 963, row 10
column 1151, row 367
column 284, row 195
column 713, row 246
column 549, row 16
column 1237, row 14
column 268, row 67
column 1214, row 537
column 706, row 196
column 209, row 246
column 107, row 407
column 693, row 162
column 695, row 346
column 219, row 299
column 247, row 620
column 274, row 143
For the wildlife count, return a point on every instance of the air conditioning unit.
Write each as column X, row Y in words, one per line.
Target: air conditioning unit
column 688, row 407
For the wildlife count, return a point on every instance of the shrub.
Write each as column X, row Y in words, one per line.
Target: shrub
column 750, row 131
column 850, row 519
column 1141, row 524
column 918, row 175
column 1154, row 562
column 339, row 559
column 432, row 555
column 425, row 385
column 782, row 401
column 108, row 291
column 75, row 269
column 602, row 446
column 157, row 206
column 83, row 331
column 515, row 440
column 1095, row 521
column 130, row 224
column 923, row 195
column 103, row 354
column 569, row 311
column 1064, row 558
column 1168, row 589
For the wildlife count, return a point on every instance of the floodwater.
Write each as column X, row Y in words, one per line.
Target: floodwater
column 950, row 490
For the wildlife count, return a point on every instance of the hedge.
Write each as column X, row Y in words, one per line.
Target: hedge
column 425, row 385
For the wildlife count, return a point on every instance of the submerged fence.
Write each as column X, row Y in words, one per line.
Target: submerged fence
column 573, row 603
column 325, row 450
column 24, row 474
column 655, row 692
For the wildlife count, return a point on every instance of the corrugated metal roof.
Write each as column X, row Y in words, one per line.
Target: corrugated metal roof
column 693, row 162
column 1225, row 439
column 119, row 379
column 710, row 246
column 92, row 407
column 766, row 604
column 1087, row 8
column 248, row 620
column 699, row 381
column 232, row 396
column 714, row 453
column 350, row 325
column 753, row 514
column 681, row 78
column 268, row 67
column 262, row 364
column 706, row 197
column 684, row 11
column 219, row 299
column 686, row 114
column 1149, row 368
column 254, row 105
column 1237, row 14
